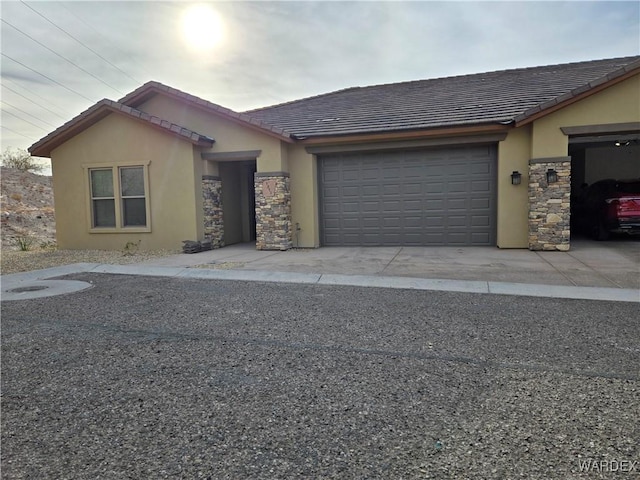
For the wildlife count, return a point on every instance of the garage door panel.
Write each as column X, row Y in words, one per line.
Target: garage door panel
column 350, row 207
column 479, row 203
column 392, row 189
column 391, row 222
column 370, row 173
column 433, row 205
column 480, row 238
column 391, row 206
column 481, row 186
column 458, row 187
column 456, row 221
column 434, row 187
column 434, row 221
column 331, row 209
column 411, row 188
column 368, row 206
column 412, row 223
column 350, row 175
column 331, row 193
column 480, row 221
column 411, row 206
column 430, row 197
column 371, row 190
column 478, row 168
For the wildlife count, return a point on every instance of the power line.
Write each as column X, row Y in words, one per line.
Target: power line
column 61, row 56
column 4, row 84
column 43, row 75
column 26, row 121
column 27, row 113
column 32, row 101
column 104, row 37
column 78, row 41
column 17, row 133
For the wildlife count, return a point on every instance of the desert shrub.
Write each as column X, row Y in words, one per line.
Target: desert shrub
column 131, row 248
column 48, row 245
column 20, row 160
column 16, row 196
column 24, row 243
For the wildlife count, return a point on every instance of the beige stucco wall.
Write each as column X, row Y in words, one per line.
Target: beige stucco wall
column 229, row 135
column 118, row 139
column 304, row 197
column 617, row 104
column 513, row 200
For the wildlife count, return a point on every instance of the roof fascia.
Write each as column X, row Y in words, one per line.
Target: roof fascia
column 408, row 135
column 576, row 96
column 408, row 144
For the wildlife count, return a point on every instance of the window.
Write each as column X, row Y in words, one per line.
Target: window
column 102, row 198
column 118, row 198
column 132, row 194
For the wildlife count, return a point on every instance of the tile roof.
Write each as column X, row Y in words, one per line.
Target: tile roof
column 501, row 97
column 149, row 89
column 100, row 110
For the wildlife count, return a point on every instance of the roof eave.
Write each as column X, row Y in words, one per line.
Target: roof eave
column 97, row 112
column 578, row 94
column 442, row 131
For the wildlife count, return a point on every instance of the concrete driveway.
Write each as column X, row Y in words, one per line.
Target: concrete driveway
column 614, row 264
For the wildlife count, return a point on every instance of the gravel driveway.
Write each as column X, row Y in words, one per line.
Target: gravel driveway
column 144, row 377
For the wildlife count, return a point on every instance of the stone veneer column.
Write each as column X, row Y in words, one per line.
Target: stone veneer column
column 549, row 204
column 273, row 211
column 212, row 205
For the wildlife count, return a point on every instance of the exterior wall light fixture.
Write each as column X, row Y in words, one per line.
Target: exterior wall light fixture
column 552, row 176
column 516, row 178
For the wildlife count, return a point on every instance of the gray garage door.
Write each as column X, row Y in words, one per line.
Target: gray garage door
column 426, row 197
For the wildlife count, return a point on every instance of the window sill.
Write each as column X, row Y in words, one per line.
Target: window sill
column 120, row 230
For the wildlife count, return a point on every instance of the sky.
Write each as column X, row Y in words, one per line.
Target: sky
column 59, row 58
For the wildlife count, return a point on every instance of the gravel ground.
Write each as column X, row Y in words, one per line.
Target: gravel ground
column 144, row 377
column 18, row 261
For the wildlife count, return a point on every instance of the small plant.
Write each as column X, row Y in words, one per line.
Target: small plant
column 16, row 196
column 48, row 245
column 131, row 248
column 24, row 243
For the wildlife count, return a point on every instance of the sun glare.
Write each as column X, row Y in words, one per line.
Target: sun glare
column 202, row 27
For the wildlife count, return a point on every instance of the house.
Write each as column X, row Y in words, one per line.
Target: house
column 482, row 159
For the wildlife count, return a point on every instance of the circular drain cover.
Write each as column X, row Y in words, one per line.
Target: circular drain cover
column 33, row 288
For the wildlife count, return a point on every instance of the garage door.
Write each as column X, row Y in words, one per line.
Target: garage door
column 426, row 197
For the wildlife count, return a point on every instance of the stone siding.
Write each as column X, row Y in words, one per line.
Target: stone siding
column 212, row 205
column 549, row 205
column 273, row 211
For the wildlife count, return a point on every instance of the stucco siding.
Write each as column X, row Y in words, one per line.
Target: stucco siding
column 116, row 140
column 513, row 200
column 619, row 103
column 304, row 197
column 230, row 136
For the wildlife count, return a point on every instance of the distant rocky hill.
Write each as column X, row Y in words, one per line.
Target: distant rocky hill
column 26, row 208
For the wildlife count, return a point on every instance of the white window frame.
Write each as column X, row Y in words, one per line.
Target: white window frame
column 118, row 198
